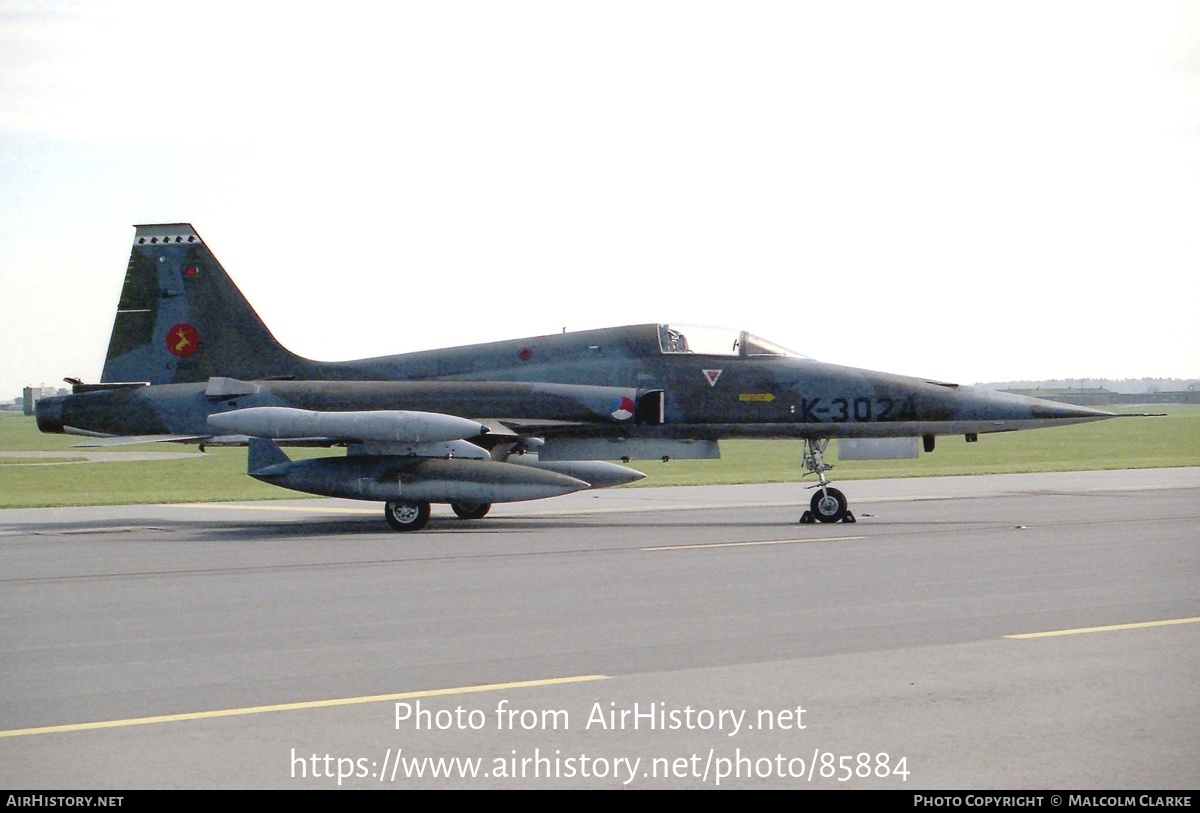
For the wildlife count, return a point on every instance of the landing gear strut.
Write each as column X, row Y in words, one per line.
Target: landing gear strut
column 828, row 504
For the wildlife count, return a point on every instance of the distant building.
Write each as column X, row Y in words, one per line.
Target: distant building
column 29, row 399
column 31, row 395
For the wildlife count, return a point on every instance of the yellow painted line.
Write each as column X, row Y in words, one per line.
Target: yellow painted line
column 314, row 704
column 1082, row 630
column 751, row 544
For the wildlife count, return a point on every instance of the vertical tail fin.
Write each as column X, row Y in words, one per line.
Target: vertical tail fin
column 181, row 319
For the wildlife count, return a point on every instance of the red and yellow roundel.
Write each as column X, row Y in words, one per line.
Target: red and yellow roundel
column 182, row 340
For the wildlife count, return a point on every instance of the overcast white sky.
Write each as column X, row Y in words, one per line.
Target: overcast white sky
column 973, row 191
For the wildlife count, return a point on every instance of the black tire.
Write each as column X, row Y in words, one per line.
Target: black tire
column 471, row 510
column 829, row 505
column 406, row 516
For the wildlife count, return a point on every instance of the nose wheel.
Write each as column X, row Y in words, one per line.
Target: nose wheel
column 827, row 504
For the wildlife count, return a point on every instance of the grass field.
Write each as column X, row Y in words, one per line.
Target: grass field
column 219, row 474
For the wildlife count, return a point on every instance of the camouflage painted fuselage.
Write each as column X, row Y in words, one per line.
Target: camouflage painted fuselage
column 186, row 345
column 571, row 384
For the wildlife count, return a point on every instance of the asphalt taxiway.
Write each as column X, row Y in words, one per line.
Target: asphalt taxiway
column 1031, row 631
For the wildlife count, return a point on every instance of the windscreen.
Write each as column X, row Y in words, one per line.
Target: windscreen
column 718, row 341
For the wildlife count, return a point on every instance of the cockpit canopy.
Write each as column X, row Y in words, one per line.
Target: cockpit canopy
column 718, row 341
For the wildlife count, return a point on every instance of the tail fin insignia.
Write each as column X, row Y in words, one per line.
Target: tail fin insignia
column 182, row 340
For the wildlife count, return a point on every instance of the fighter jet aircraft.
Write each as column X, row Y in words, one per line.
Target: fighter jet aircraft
column 189, row 360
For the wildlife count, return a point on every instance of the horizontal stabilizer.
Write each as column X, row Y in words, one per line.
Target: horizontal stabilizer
column 78, row 386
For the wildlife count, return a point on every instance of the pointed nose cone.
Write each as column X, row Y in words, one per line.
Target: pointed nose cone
column 1071, row 413
column 1055, row 412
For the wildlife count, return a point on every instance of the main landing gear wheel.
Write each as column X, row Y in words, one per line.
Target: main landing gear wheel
column 406, row 516
column 829, row 505
column 471, row 510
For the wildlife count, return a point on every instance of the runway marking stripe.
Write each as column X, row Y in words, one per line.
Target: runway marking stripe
column 1082, row 630
column 749, row 544
column 313, row 704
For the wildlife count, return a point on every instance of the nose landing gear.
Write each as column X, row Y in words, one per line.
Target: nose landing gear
column 828, row 504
